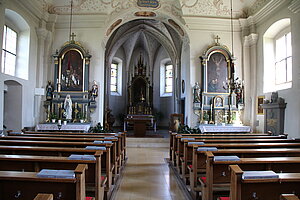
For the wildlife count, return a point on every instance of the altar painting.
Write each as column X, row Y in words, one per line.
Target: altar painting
column 71, row 77
column 217, row 73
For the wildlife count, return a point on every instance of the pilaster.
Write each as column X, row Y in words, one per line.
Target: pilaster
column 250, row 70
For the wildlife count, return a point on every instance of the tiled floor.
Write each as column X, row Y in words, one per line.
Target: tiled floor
column 148, row 177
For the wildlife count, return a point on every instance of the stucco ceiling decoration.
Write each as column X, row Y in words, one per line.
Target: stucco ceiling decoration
column 177, row 8
column 215, row 8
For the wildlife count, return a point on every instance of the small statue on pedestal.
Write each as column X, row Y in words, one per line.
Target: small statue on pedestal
column 68, row 107
column 94, row 91
column 49, row 90
column 197, row 93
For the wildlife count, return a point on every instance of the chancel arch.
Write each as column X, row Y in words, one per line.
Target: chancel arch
column 142, row 45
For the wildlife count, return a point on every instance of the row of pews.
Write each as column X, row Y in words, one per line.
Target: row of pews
column 237, row 166
column 60, row 165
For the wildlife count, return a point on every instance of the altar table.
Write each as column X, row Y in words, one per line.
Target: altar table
column 140, row 123
column 224, row 129
column 78, row 127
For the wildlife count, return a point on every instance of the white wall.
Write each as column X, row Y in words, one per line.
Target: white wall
column 27, row 85
column 292, row 95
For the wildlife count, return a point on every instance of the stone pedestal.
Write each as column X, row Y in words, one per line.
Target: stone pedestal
column 274, row 117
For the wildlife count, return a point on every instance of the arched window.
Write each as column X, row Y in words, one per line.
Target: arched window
column 278, row 56
column 166, row 79
column 116, row 77
column 15, row 48
column 169, row 78
column 9, row 51
column 283, row 59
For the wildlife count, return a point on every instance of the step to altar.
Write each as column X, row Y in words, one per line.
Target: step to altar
column 147, row 142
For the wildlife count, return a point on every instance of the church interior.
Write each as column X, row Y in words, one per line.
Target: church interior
column 161, row 97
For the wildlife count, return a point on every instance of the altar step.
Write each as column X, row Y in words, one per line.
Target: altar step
column 147, row 142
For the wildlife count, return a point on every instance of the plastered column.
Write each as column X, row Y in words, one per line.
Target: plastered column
column 41, row 70
column 250, row 70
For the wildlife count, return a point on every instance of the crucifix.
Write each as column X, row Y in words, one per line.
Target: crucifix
column 217, row 38
column 72, row 36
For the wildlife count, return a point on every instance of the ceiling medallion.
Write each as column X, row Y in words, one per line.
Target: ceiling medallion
column 145, row 14
column 148, row 3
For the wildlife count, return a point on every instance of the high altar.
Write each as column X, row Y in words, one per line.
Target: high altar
column 140, row 98
column 69, row 98
column 219, row 98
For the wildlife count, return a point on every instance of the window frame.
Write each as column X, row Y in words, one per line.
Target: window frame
column 276, row 30
column 163, row 79
column 284, row 59
column 5, row 51
column 118, row 85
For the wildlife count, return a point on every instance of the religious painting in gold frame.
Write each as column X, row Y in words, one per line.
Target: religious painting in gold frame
column 217, row 70
column 218, row 102
column 259, row 102
column 71, row 71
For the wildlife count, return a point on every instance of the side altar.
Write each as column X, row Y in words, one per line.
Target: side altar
column 218, row 99
column 68, row 97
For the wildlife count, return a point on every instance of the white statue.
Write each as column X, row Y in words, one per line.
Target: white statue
column 68, row 107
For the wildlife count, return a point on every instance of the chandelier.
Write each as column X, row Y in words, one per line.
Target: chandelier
column 70, row 80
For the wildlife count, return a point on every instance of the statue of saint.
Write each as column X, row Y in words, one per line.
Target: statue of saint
column 94, row 91
column 197, row 93
column 49, row 90
column 68, row 107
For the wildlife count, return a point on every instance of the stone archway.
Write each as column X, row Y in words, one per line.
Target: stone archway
column 155, row 40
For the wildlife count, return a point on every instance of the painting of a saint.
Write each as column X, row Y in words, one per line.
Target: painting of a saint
column 217, row 73
column 72, row 72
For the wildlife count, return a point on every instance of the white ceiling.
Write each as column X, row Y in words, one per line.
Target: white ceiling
column 211, row 8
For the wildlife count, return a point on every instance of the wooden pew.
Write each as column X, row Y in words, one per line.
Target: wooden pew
column 26, row 185
column 177, row 146
column 120, row 142
column 262, row 188
column 121, row 135
column 58, row 143
column 116, row 148
column 198, row 165
column 64, row 151
column 82, row 137
column 185, row 152
column 288, row 197
column 95, row 183
column 217, row 177
column 175, row 136
column 41, row 196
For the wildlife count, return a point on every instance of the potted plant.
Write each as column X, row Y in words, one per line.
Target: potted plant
column 80, row 117
column 53, row 117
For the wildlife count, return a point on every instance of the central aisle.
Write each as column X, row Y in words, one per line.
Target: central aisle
column 148, row 177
